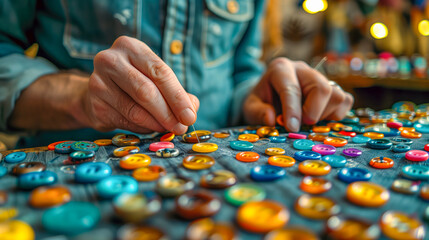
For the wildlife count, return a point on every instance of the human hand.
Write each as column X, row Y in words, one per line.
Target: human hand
column 305, row 95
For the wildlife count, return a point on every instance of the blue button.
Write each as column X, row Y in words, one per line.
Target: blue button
column 358, row 129
column 400, row 140
column 64, row 147
column 422, row 128
column 307, row 155
column 401, row 148
column 419, row 172
column 335, row 161
column 350, row 120
column 15, row 157
column 3, row 171
column 71, row 218
column 82, row 155
column 249, row 132
column 405, row 123
column 241, row 145
column 84, row 146
column 391, row 133
column 360, row 139
column 36, row 179
column 335, row 134
column 91, row 172
column 354, row 174
column 267, row 173
column 112, row 186
column 278, row 139
column 379, row 143
column 303, row 144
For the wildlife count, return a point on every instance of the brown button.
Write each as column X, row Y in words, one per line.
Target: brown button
column 206, row 228
column 27, row 167
column 218, row 179
column 197, row 204
column 3, row 197
column 232, row 6
column 176, row 47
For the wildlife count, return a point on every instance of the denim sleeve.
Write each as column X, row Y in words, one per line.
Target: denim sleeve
column 16, row 70
column 247, row 66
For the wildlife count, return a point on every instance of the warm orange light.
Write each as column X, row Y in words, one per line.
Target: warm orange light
column 315, row 6
column 379, row 30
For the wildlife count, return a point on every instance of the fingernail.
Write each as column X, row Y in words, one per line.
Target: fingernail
column 187, row 116
column 180, row 129
column 293, row 124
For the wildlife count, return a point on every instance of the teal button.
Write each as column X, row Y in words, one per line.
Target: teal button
column 36, row 179
column 241, row 145
column 422, row 128
column 114, row 185
column 419, row 172
column 84, row 146
column 303, row 144
column 15, row 157
column 379, row 143
column 400, row 148
column 335, row 161
column 360, row 139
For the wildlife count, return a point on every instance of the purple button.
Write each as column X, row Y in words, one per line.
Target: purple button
column 352, row 152
column 324, row 149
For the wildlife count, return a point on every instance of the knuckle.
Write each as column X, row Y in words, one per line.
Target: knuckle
column 160, row 72
column 105, row 59
column 146, row 92
column 301, row 64
column 168, row 120
column 279, row 62
column 136, row 115
column 324, row 88
column 122, row 41
column 292, row 90
column 338, row 97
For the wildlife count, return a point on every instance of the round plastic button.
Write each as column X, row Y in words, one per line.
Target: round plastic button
column 315, row 185
column 350, row 175
column 394, row 125
column 204, row 147
column 324, row 149
column 71, row 218
column 400, row 148
column 262, row 216
column 136, row 207
column 398, row 226
column 335, row 141
column 247, row 156
column 418, row 172
column 405, row 186
column 296, row 136
column 167, row 137
column 267, row 173
column 160, row 145
column 267, row 131
column 64, row 147
column 421, row 128
column 44, row 197
column 84, row 146
column 350, row 228
column 124, row 151
column 16, row 229
column 206, row 228
column 399, row 140
column 381, row 162
column 15, row 157
column 27, row 167
column 426, row 147
column 379, row 143
column 317, row 137
column 133, row 232
column 367, row 194
column 36, row 179
column 424, row 192
column 281, row 161
column 103, row 142
column 274, row 151
column 52, row 145
column 134, row 161
column 307, row 155
column 303, row 144
column 278, row 139
column 335, row 161
column 314, row 167
column 244, row 192
column 291, row 233
column 198, row 162
column 347, row 133
column 241, row 145
column 171, row 185
column 197, row 136
column 114, row 185
column 316, row 207
column 248, row 137
column 409, row 134
column 352, row 152
column 339, row 136
column 92, row 172
column 149, row 173
column 321, row 129
column 360, row 139
column 218, row 179
column 221, row 135
column 82, row 155
column 197, row 204
column 122, row 140
column 373, row 135
column 167, row 152
column 417, row 155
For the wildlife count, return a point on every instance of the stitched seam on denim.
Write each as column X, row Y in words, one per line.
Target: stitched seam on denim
column 234, row 17
column 205, row 26
column 220, row 59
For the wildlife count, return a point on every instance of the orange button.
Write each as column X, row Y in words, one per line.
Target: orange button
column 103, row 142
column 321, row 129
column 247, row 156
column 267, row 131
column 314, row 167
column 398, row 226
column 248, row 137
column 315, row 185
column 274, row 151
column 335, row 141
column 198, row 162
column 408, row 134
column 134, row 161
column 317, row 137
column 409, row 129
column 221, row 135
column 351, row 228
column 374, row 135
column 281, row 161
column 280, row 120
column 232, row 6
column 167, row 137
column 424, row 192
column 176, row 47
column 381, row 162
column 124, row 151
column 367, row 194
column 291, row 233
column 49, row 196
column 316, row 207
column 262, row 216
column 148, row 173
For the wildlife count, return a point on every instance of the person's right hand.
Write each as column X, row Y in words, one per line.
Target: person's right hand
column 132, row 88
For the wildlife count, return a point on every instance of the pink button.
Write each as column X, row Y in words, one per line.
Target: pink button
column 427, row 147
column 324, row 149
column 296, row 136
column 395, row 125
column 417, row 155
column 160, row 145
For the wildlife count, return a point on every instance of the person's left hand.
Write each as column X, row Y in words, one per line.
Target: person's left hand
column 305, row 94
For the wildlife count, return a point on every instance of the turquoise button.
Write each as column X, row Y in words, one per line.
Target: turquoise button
column 405, row 123
column 335, row 161
column 114, row 185
column 278, row 139
column 64, row 147
column 82, row 155
column 421, row 128
column 266, row 173
column 241, row 145
column 400, row 140
column 84, row 146
column 360, row 139
column 350, row 120
column 379, row 143
column 71, row 218
column 419, row 172
column 307, row 155
column 3, row 171
column 303, row 144
column 391, row 132
column 15, row 157
column 399, row 148
column 36, row 179
column 92, row 172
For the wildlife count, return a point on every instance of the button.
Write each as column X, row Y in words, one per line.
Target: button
column 324, row 149
column 122, row 140
column 316, row 207
column 421, row 128
column 197, row 136
column 112, row 186
column 71, row 218
column 134, row 232
column 400, row 148
column 232, row 6
column 3, row 171
column 408, row 129
column 267, row 173
column 176, row 47
column 197, row 204
column 340, row 227
column 248, row 137
column 221, row 135
column 352, row 152
column 424, row 192
column 218, row 179
column 160, row 145
column 149, row 173
column 281, row 161
column 280, row 120
column 198, row 162
column 241, row 145
column 335, row 161
column 15, row 157
column 405, row 186
column 274, row 151
column 167, row 137
column 399, row 140
column 418, row 172
column 317, row 137
column 339, row 136
column 381, row 162
column 206, row 228
column 244, row 192
column 136, row 207
column 373, row 135
column 348, row 134
column 267, row 132
column 124, row 151
column 350, row 175
column 134, row 161
column 52, row 145
column 27, row 167
column 3, row 197
column 398, row 226
column 296, row 136
column 367, row 194
column 379, row 143
column 303, row 144
column 360, row 139
column 409, row 134
column 321, row 129
column 92, row 172
column 335, row 141
column 35, row 179
column 171, row 185
column 16, row 229
column 417, row 155
column 82, row 156
column 204, row 147
column 247, row 156
column 314, row 167
column 291, row 233
column 103, row 142
column 278, row 139
column 167, row 152
column 307, row 155
column 50, row 196
column 315, row 185
column 84, row 146
column 426, row 147
column 395, row 125
column 262, row 216
column 64, row 147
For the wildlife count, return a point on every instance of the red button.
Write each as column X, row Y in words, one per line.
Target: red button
column 417, row 155
column 160, row 145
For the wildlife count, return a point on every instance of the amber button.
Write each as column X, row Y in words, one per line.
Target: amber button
column 176, row 47
column 197, row 204
column 149, row 173
column 315, row 185
column 341, row 228
column 218, row 179
column 137, row 232
column 291, row 233
column 316, row 207
column 27, row 167
column 206, row 228
column 232, row 6
column 367, row 194
column 49, row 196
column 3, row 197
column 198, row 162
column 397, row 225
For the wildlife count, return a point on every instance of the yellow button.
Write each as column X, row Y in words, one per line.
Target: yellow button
column 316, row 207
column 248, row 137
column 198, row 162
column 281, row 161
column 204, row 147
column 232, row 6
column 134, row 161
column 267, row 131
column 367, row 194
column 7, row 213
column 397, row 225
column 148, row 173
column 176, row 47
column 314, row 167
column 374, row 135
column 16, row 229
column 274, row 151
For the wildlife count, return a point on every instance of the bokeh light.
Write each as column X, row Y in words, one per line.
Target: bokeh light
column 379, row 30
column 424, row 27
column 315, row 6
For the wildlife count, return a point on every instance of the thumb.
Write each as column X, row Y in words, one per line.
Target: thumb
column 258, row 112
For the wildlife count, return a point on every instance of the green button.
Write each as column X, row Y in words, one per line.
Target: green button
column 244, row 192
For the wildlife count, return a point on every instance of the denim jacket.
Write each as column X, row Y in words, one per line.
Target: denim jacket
column 219, row 62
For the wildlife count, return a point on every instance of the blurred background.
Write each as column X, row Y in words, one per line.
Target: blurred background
column 375, row 49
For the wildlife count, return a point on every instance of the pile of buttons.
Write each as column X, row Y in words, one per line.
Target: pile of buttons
column 328, row 149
